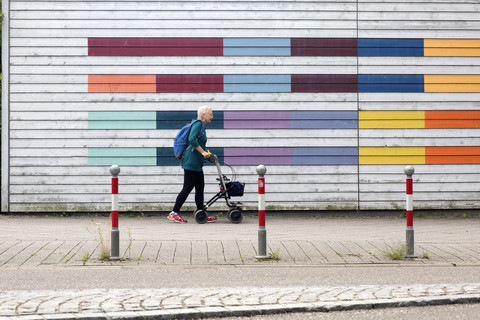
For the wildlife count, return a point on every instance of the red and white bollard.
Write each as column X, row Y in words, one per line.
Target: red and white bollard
column 262, row 232
column 409, row 170
column 115, row 234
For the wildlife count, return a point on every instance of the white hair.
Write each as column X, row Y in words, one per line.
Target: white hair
column 202, row 110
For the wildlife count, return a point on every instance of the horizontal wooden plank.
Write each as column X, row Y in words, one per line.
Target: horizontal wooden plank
column 167, row 206
column 272, row 199
column 251, row 190
column 397, row 6
column 176, row 14
column 422, row 187
column 191, row 100
column 175, row 69
column 419, row 196
column 194, row 32
column 423, row 205
column 178, row 62
column 188, row 6
column 175, row 179
column 438, row 33
column 178, row 24
column 419, row 169
column 169, row 170
column 168, row 134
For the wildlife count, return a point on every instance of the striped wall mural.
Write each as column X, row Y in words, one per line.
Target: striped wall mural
column 283, row 47
column 334, row 97
column 284, row 83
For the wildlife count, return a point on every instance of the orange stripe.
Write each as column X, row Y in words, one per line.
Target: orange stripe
column 452, row 155
column 452, row 119
column 121, row 83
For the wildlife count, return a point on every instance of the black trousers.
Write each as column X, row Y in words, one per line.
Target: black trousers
column 191, row 179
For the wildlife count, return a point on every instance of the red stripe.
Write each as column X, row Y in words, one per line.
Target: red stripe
column 155, row 42
column 114, row 185
column 324, row 83
column 114, row 219
column 409, row 218
column 155, row 46
column 323, row 47
column 261, row 218
column 122, row 51
column 189, row 83
column 409, row 186
column 261, row 185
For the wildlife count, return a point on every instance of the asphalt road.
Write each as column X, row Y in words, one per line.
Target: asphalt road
column 149, row 276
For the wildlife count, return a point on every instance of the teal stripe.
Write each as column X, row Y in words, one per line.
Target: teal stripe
column 122, row 120
column 122, row 156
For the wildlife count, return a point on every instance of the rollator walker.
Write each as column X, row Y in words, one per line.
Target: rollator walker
column 228, row 189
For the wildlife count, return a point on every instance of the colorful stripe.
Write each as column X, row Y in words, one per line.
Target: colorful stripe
column 363, row 47
column 419, row 155
column 224, row 119
column 251, row 156
column 458, row 119
column 284, row 83
column 328, row 119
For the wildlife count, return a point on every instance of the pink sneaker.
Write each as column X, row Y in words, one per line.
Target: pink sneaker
column 176, row 217
column 211, row 219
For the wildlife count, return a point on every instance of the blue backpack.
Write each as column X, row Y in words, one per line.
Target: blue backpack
column 180, row 142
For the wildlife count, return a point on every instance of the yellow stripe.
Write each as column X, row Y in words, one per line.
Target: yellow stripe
column 452, row 83
column 451, row 52
column 451, row 47
column 391, row 119
column 452, row 78
column 451, row 43
column 391, row 155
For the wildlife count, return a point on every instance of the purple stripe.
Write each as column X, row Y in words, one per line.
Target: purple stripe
column 256, row 156
column 257, row 119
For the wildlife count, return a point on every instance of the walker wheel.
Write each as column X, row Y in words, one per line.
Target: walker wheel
column 201, row 216
column 235, row 215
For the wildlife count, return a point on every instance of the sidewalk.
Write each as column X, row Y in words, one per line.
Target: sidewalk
column 153, row 242
column 46, row 241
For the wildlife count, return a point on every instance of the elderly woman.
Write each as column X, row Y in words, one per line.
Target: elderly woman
column 192, row 165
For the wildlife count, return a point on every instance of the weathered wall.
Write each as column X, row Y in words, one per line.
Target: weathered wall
column 334, row 97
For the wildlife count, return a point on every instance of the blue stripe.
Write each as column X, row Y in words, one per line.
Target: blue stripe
column 390, row 83
column 390, row 43
column 389, row 87
column 256, row 47
column 390, row 47
column 390, row 78
column 324, row 115
column 325, row 156
column 390, row 52
column 257, row 83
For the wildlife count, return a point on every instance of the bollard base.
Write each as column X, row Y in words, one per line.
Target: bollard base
column 410, row 257
column 115, row 247
column 263, row 257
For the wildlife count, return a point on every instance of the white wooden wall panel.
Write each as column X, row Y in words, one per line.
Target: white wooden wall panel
column 49, row 102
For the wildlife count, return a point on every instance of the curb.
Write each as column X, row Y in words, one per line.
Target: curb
column 247, row 311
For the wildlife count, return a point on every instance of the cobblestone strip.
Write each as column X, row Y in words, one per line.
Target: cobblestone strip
column 205, row 302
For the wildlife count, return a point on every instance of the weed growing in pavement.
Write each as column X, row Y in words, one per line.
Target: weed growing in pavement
column 104, row 251
column 397, row 251
column 425, row 255
column 130, row 241
column 275, row 255
column 85, row 257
